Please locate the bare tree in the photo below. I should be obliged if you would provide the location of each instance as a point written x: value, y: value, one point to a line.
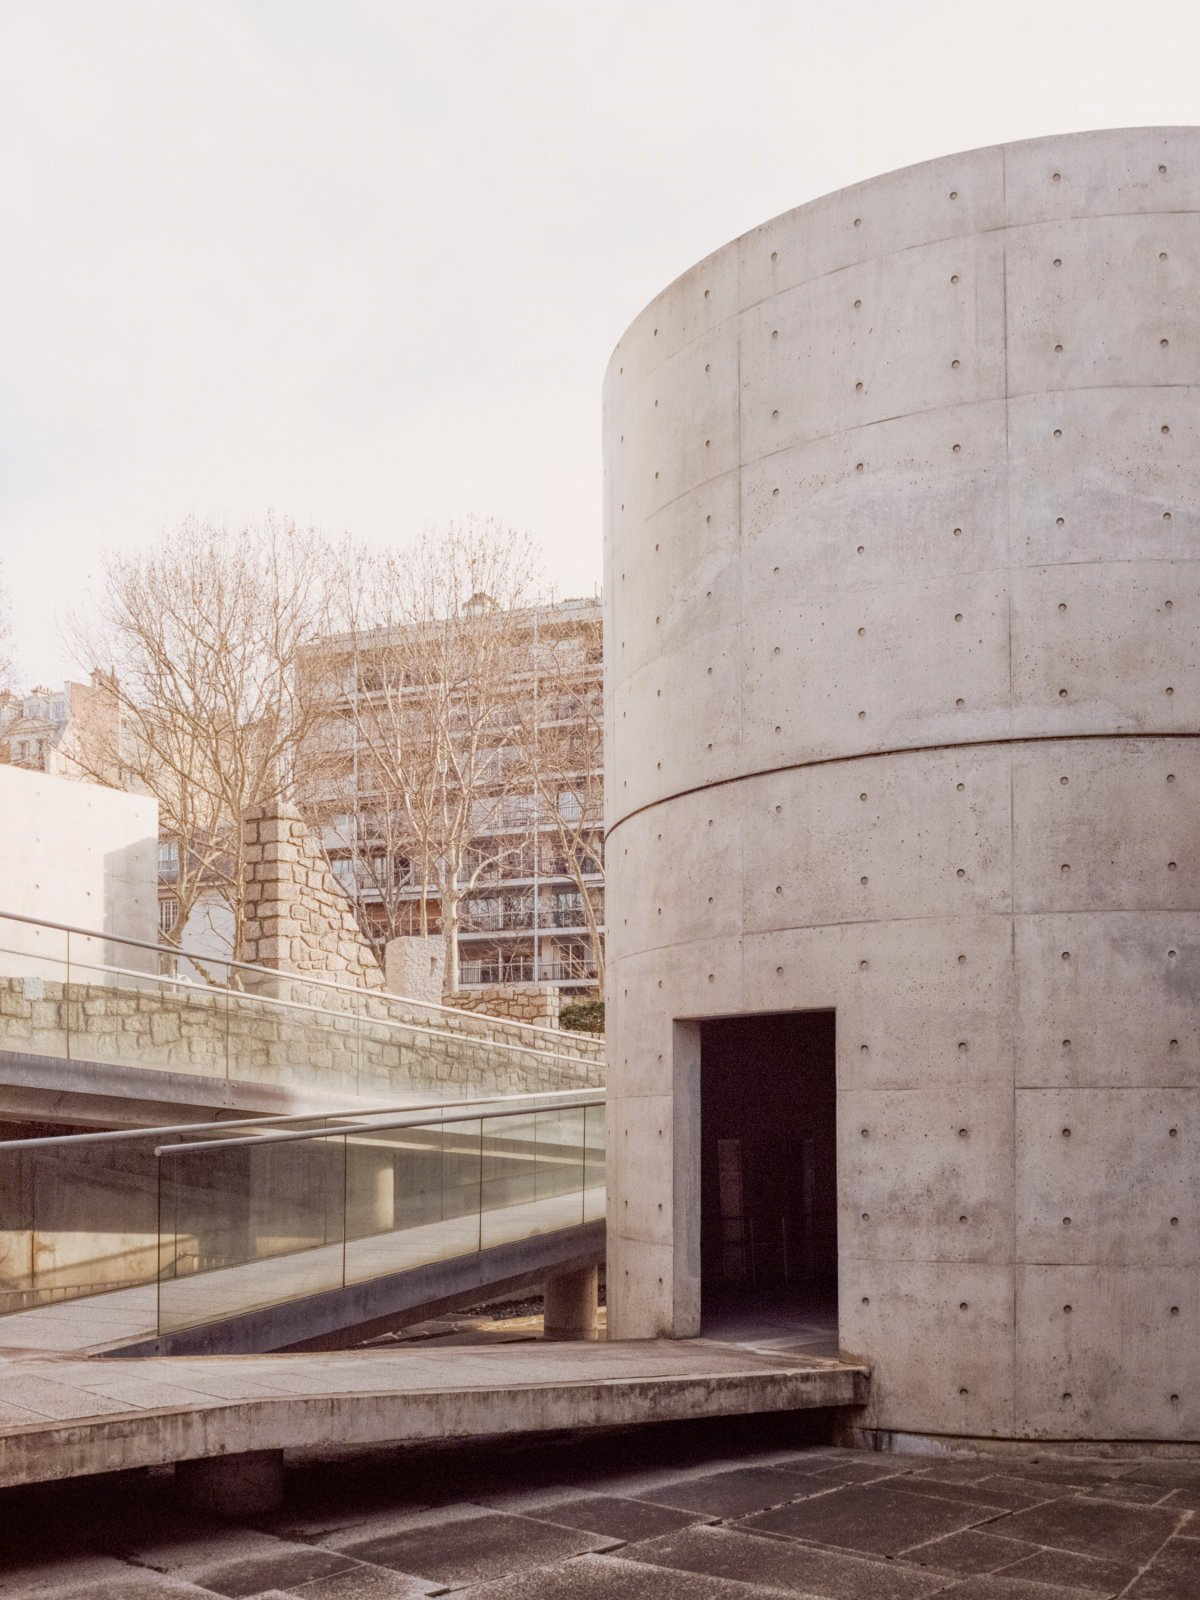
x: 204, y: 635
x: 433, y: 658
x: 559, y: 733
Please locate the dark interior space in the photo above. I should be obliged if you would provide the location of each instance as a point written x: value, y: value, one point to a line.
x: 769, y: 1170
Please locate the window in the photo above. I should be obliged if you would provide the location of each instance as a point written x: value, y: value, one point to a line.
x: 568, y: 910
x: 168, y: 860
x: 168, y: 913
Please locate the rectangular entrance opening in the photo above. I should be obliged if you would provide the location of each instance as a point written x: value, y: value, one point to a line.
x: 768, y: 1178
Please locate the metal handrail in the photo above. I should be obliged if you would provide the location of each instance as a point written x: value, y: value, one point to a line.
x: 316, y: 1011
x: 276, y: 973
x: 247, y: 966
x: 413, y: 1119
x: 271, y: 1121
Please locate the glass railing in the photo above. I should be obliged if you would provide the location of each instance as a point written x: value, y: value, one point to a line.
x: 254, y: 1221
x: 342, y: 1197
x: 79, y: 1213
x: 76, y: 995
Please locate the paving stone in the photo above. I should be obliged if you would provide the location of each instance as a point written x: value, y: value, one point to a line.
x: 283, y: 1570
x: 604, y: 1578
x: 874, y: 1519
x: 968, y: 1552
x: 388, y: 1522
x: 186, y: 1543
x: 1134, y: 1494
x: 867, y: 1471
x: 474, y: 1549
x: 362, y: 1582
x: 615, y: 1518
x: 1182, y: 1500
x: 1072, y: 1471
x: 1174, y: 1573
x: 1095, y: 1528
x: 85, y: 1577
x: 735, y: 1493
x: 782, y: 1564
x: 959, y: 1469
x: 993, y: 1495
x: 119, y: 1589
x: 1171, y: 1474
x: 1089, y: 1573
x: 1002, y: 1587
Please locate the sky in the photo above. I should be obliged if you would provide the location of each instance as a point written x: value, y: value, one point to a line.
x: 362, y: 264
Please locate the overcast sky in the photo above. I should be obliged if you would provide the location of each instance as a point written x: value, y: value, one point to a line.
x: 364, y: 263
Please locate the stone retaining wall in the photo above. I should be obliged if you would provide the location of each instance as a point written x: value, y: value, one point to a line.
x: 333, y: 1041
x: 534, y: 1003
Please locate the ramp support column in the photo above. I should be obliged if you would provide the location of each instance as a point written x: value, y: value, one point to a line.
x: 241, y: 1485
x: 571, y: 1304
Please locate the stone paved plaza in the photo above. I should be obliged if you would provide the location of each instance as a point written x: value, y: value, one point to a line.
x: 701, y: 1512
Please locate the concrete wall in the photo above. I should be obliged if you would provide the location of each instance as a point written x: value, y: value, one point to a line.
x: 76, y: 853
x: 902, y: 502
x: 207, y: 933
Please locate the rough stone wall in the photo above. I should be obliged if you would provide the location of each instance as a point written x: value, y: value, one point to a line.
x: 534, y: 1003
x: 298, y: 918
x: 336, y: 1042
x: 414, y: 967
x: 902, y: 534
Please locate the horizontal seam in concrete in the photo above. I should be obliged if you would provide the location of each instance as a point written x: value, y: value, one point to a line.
x: 1007, y: 226
x: 900, y: 750
x: 1002, y: 399
x: 1003, y: 913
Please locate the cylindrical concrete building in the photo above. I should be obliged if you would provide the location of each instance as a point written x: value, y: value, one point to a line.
x: 902, y: 515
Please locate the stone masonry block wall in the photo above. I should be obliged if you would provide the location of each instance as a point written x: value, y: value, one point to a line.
x: 414, y: 967
x: 298, y: 917
x: 334, y: 1042
x: 902, y: 506
x: 521, y: 1002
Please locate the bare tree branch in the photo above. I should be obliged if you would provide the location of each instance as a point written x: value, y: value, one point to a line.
x: 204, y: 637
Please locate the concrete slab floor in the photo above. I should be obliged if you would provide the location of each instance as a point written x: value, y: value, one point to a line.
x: 707, y: 1511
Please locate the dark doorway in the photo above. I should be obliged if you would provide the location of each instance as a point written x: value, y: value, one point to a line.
x: 768, y: 1166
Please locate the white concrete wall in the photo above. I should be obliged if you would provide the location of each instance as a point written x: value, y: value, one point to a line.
x: 902, y: 502
x: 208, y: 933
x: 80, y: 854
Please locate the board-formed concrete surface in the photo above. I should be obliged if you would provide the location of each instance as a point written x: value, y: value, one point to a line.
x: 902, y: 501
x: 642, y: 1517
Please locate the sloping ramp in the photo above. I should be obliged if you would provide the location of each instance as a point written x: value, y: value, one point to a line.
x: 65, y: 1417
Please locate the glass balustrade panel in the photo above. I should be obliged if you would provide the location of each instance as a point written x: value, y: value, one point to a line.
x: 412, y: 1197
x: 594, y: 1164
x: 532, y: 1175
x: 129, y: 1005
x: 248, y: 1226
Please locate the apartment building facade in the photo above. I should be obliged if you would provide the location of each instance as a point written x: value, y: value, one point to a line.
x: 71, y: 732
x: 529, y: 889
